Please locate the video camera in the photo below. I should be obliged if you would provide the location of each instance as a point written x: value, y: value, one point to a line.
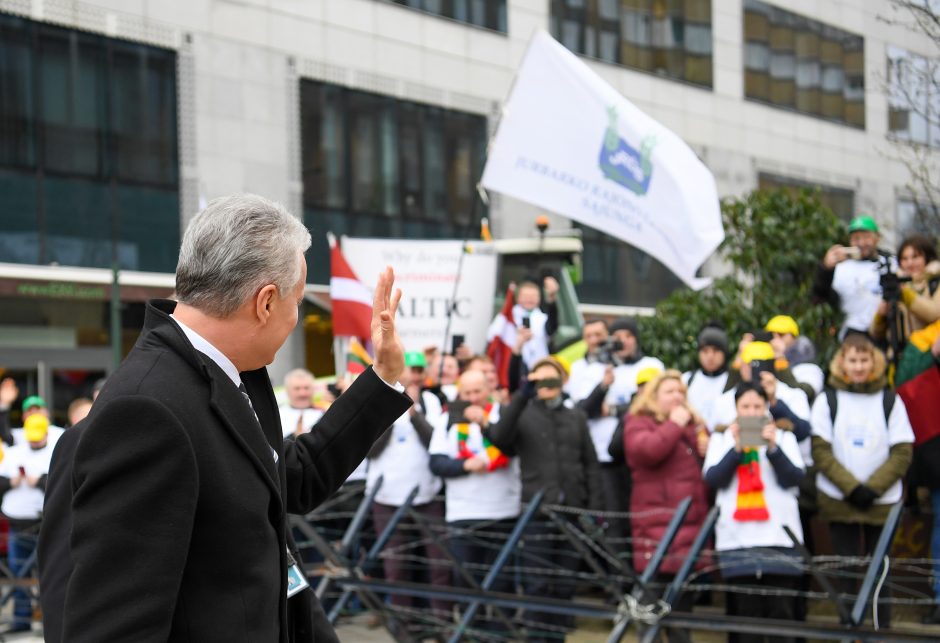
x: 890, y: 284
x: 607, y: 352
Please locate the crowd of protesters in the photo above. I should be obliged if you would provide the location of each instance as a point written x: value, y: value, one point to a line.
x: 760, y: 429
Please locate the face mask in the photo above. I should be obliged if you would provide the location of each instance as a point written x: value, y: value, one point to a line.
x: 553, y: 403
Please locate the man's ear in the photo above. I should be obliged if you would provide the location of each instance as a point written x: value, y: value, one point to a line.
x: 264, y: 301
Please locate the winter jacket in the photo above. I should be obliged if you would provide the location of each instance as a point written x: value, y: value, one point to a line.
x: 666, y: 468
x: 920, y: 305
x: 859, y: 437
x: 554, y: 448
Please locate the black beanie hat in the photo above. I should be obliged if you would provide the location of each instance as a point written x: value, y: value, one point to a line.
x: 715, y: 337
x: 626, y: 323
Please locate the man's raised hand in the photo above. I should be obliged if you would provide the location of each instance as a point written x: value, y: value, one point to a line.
x: 389, y: 353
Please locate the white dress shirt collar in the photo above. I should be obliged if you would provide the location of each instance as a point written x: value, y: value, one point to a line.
x: 202, y: 345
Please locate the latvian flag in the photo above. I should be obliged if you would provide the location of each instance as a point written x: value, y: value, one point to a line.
x: 502, y: 336
x: 352, y: 301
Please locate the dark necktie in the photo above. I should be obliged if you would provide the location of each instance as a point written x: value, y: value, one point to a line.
x: 244, y: 392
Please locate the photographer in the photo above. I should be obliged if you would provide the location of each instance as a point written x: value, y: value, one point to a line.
x: 913, y: 290
x: 849, y: 276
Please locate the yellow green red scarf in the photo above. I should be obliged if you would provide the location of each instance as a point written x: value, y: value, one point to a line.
x: 497, y: 458
x: 751, y: 505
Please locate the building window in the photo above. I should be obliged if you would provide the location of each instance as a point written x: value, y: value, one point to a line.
x: 913, y: 97
x: 615, y: 273
x: 489, y: 14
x: 374, y: 166
x: 88, y: 149
x: 801, y: 64
x: 671, y: 38
x: 915, y: 217
x: 839, y: 200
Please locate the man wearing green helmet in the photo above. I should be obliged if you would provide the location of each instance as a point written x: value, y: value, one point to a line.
x: 848, y: 276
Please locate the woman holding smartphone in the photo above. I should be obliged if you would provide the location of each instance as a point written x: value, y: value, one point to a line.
x: 755, y: 468
x: 664, y: 445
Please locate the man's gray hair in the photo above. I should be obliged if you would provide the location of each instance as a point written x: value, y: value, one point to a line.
x: 297, y: 374
x: 235, y: 246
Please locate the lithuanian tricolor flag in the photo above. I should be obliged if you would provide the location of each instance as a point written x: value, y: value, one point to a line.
x: 357, y: 358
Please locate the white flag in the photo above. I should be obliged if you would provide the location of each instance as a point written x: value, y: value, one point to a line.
x: 570, y: 143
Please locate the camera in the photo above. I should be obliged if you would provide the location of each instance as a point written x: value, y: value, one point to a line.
x: 607, y: 352
x: 891, y: 284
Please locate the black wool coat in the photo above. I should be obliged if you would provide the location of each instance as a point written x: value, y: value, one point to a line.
x: 166, y: 509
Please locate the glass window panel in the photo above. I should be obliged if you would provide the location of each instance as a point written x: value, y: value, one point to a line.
x: 641, y: 280
x: 814, y: 68
x: 143, y: 114
x: 19, y: 231
x: 17, y: 125
x: 77, y: 226
x: 490, y: 14
x: 149, y: 227
x: 435, y: 188
x: 670, y: 37
x: 73, y: 101
x: 410, y: 148
x: 92, y: 130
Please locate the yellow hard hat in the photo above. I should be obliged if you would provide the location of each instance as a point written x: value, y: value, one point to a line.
x: 783, y: 324
x: 646, y: 374
x: 36, y: 428
x: 757, y: 352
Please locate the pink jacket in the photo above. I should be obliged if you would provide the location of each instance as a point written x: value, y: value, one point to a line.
x: 665, y: 469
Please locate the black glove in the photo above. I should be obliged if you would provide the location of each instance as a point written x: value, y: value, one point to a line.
x: 862, y: 497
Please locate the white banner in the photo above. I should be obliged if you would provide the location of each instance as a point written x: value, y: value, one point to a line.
x: 426, y: 271
x: 570, y: 143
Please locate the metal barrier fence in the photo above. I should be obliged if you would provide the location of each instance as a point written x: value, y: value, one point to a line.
x: 607, y: 586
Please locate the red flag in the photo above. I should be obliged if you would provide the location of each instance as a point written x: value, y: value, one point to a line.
x: 352, y: 301
x: 502, y: 336
x: 921, y: 397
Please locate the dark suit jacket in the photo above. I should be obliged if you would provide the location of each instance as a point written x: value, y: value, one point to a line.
x: 178, y: 509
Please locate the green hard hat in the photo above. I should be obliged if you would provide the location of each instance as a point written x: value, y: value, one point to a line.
x: 33, y: 400
x: 863, y: 223
x: 415, y: 359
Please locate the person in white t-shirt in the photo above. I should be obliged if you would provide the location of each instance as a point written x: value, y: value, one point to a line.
x: 400, y: 458
x: 299, y: 414
x: 862, y: 447
x: 795, y: 351
x: 756, y: 484
x: 23, y: 473
x: 709, y: 381
x: 848, y: 277
x: 482, y: 487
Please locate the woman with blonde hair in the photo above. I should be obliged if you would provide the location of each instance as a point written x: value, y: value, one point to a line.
x: 665, y: 443
x: 862, y: 447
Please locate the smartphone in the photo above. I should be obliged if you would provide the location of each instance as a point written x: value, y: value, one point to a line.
x: 526, y: 322
x: 22, y: 472
x: 751, y: 427
x: 456, y: 411
x: 455, y: 343
x: 851, y: 252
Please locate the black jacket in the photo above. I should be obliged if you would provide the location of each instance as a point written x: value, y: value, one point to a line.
x: 178, y: 508
x: 554, y: 448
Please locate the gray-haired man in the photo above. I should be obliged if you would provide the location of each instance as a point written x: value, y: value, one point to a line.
x: 174, y: 491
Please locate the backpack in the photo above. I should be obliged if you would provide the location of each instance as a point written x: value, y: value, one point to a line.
x: 888, y: 398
